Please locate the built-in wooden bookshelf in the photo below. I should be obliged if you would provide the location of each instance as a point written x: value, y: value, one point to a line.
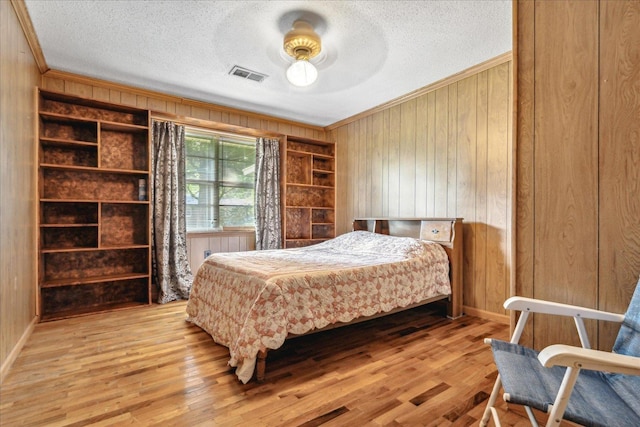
x: 309, y: 189
x: 94, y: 230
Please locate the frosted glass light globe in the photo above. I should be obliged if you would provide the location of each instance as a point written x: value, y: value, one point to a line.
x: 302, y: 73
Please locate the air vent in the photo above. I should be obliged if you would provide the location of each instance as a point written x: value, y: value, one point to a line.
x: 247, y: 74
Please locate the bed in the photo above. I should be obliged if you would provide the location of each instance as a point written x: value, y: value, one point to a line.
x: 251, y: 302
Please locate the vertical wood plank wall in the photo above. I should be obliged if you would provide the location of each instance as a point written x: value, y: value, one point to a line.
x: 578, y: 159
x: 106, y: 91
x: 18, y: 250
x: 197, y: 244
x: 446, y: 153
x: 101, y: 90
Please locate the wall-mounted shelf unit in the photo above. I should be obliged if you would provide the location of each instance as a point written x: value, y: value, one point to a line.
x: 94, y: 231
x: 309, y: 191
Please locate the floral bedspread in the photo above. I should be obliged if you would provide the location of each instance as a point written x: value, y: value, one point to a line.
x: 251, y: 301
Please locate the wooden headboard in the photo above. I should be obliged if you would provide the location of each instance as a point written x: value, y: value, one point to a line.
x: 445, y: 231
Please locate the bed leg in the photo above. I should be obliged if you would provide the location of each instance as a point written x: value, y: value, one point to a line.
x: 261, y: 365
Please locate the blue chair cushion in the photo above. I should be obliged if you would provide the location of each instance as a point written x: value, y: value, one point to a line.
x: 628, y: 342
x: 595, y: 400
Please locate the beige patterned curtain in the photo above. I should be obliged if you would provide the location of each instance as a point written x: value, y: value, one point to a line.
x: 171, y: 271
x: 267, y: 204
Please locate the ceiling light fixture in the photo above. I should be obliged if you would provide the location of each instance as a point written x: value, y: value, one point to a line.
x: 302, y: 43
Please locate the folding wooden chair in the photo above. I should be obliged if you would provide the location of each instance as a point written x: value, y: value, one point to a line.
x: 589, y: 387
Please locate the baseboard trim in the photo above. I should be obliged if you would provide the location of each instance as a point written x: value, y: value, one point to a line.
x: 500, y: 318
x: 6, y: 366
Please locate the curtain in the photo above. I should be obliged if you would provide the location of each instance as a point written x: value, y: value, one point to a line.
x: 171, y: 271
x: 267, y: 204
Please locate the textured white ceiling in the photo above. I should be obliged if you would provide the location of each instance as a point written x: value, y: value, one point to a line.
x: 373, y: 51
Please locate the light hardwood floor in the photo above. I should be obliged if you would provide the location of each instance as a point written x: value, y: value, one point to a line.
x: 148, y: 366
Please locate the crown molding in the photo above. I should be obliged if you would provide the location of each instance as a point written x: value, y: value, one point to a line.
x: 29, y: 32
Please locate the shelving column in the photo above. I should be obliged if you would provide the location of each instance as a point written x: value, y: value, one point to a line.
x: 309, y: 192
x: 94, y: 231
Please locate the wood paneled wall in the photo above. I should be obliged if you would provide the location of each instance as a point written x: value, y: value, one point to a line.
x: 444, y: 153
x: 578, y: 167
x: 227, y: 241
x: 18, y: 251
x: 86, y: 87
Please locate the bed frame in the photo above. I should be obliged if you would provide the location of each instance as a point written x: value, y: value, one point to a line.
x: 444, y: 231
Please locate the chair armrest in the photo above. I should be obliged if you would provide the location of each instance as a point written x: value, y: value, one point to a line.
x: 556, y: 308
x: 583, y: 358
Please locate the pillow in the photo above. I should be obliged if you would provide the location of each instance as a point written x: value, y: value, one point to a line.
x: 374, y: 243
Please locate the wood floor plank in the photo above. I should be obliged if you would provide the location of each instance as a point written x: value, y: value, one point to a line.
x: 150, y: 367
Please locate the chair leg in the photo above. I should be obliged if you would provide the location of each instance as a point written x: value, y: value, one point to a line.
x: 490, y: 404
x: 562, y: 399
x: 532, y: 418
x: 496, y: 420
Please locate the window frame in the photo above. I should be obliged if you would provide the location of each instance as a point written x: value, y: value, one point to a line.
x: 218, y: 181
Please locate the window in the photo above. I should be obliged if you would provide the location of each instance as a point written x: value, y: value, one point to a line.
x: 220, y: 180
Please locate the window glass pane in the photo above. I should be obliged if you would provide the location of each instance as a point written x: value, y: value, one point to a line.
x: 236, y: 207
x: 237, y: 172
x: 220, y: 180
x: 237, y: 216
x: 236, y: 196
x: 201, y: 193
x: 201, y: 203
x: 238, y: 151
x: 200, y: 168
x: 199, y: 217
x: 197, y: 145
x: 238, y: 162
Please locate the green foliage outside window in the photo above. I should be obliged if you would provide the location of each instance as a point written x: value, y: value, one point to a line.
x: 220, y: 180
